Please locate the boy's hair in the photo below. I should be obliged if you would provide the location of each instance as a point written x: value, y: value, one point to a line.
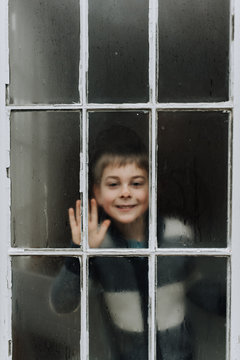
x: 117, y: 146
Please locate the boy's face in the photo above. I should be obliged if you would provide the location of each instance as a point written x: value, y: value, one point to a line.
x: 123, y: 192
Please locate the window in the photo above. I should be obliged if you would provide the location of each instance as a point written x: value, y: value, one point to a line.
x: 167, y: 72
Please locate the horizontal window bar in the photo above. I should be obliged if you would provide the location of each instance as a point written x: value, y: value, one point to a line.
x: 228, y: 105
x: 120, y: 252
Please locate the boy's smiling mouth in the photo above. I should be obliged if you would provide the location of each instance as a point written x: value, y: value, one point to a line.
x: 126, y: 207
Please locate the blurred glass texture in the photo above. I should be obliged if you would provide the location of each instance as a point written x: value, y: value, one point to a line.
x: 192, y: 179
x: 45, y: 169
x: 44, y: 41
x: 193, y: 50
x: 118, y: 51
x: 39, y: 330
x: 191, y: 307
x: 118, y: 298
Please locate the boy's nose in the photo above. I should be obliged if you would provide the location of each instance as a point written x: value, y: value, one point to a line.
x: 125, y: 192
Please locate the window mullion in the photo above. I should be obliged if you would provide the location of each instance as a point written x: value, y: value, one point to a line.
x: 84, y: 343
x: 152, y: 306
x: 153, y: 24
x: 235, y: 226
x: 153, y: 18
x: 84, y: 307
x: 5, y: 260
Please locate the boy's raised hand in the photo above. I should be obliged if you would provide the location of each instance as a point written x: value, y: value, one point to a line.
x: 75, y: 223
x: 96, y: 233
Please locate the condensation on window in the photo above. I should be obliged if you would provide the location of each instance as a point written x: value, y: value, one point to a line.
x: 45, y: 304
x: 45, y: 167
x: 118, y: 299
x: 193, y: 50
x: 44, y: 39
x: 191, y: 307
x: 118, y: 51
x: 192, y: 179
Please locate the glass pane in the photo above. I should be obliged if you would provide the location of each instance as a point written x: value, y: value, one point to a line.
x: 44, y: 51
x: 192, y: 179
x: 45, y: 176
x: 46, y: 316
x: 118, y: 187
x: 118, y: 51
x: 193, y: 50
x: 191, y: 308
x: 118, y: 308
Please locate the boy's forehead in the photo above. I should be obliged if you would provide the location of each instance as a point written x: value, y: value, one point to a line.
x: 129, y: 169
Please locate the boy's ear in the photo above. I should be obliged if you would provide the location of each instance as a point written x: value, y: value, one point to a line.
x: 97, y: 194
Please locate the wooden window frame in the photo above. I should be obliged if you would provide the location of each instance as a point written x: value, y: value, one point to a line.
x: 232, y: 252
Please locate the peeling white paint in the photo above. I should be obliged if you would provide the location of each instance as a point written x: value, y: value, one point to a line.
x: 5, y: 271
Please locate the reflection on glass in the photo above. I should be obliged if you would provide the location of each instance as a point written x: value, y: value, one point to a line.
x: 118, y: 308
x: 192, y: 179
x: 193, y: 50
x: 44, y: 51
x: 118, y: 51
x: 45, y: 177
x: 118, y: 180
x: 191, y: 308
x: 42, y: 327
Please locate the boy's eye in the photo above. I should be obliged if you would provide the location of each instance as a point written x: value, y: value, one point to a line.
x: 137, y: 183
x: 112, y: 184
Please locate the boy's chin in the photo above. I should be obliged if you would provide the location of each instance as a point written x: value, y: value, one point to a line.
x: 127, y: 220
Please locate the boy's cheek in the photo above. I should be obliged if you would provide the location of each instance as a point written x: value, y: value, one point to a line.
x: 98, y: 195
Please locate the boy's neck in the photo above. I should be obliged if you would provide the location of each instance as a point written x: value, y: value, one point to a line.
x: 134, y: 230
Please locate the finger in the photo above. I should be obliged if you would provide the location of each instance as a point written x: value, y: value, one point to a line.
x: 103, y: 229
x: 72, y: 219
x: 94, y: 213
x: 78, y: 211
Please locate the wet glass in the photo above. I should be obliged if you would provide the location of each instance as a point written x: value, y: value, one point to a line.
x: 118, y: 51
x: 191, y: 307
x: 193, y: 50
x: 44, y: 51
x: 45, y: 304
x: 118, y: 161
x: 118, y: 308
x: 44, y: 177
x: 192, y: 179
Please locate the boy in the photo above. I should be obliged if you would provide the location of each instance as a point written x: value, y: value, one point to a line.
x: 120, y: 187
x: 118, y: 217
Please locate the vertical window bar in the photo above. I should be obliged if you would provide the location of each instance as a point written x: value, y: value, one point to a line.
x: 5, y: 185
x: 83, y: 68
x: 228, y: 312
x: 152, y: 33
x: 229, y: 190
x: 153, y: 18
x: 5, y: 260
x: 84, y: 186
x: 153, y: 177
x: 84, y: 307
x: 231, y: 49
x: 84, y: 207
x: 235, y: 231
x: 152, y: 305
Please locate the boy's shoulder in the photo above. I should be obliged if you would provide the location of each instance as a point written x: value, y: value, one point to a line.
x: 172, y: 232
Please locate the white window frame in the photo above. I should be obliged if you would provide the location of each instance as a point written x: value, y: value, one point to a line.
x: 233, y: 249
